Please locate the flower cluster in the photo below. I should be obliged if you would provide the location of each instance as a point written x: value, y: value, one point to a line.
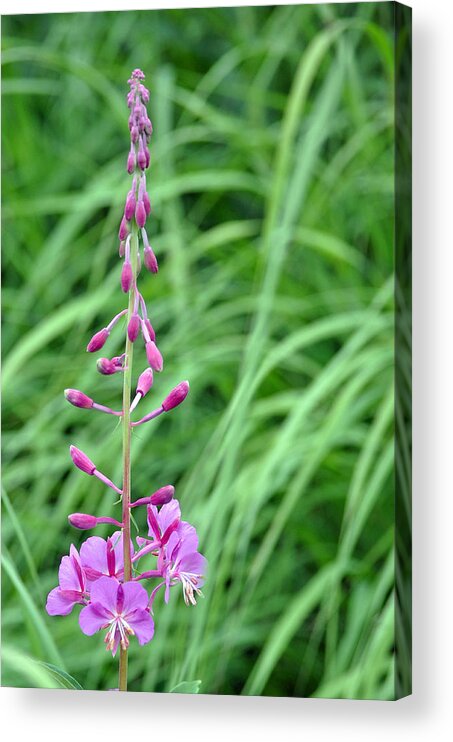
x: 107, y: 576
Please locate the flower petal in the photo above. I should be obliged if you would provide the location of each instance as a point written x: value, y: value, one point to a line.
x: 168, y: 513
x: 58, y: 604
x: 93, y: 554
x: 104, y: 591
x: 67, y: 574
x: 92, y: 618
x: 134, y: 597
x: 142, y: 624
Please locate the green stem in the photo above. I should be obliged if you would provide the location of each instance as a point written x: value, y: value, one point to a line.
x: 127, y: 380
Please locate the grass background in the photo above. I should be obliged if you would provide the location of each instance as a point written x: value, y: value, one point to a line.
x: 271, y: 182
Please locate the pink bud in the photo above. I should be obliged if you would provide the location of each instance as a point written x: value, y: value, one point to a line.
x: 147, y: 203
x: 150, y: 329
x: 81, y: 460
x: 97, y: 341
x: 162, y: 495
x: 107, y: 367
x: 176, y: 396
x: 134, y: 134
x: 150, y: 259
x: 154, y: 356
x: 82, y: 521
x: 141, y: 159
x: 140, y: 214
x: 133, y: 328
x: 145, y: 382
x: 131, y: 162
x: 78, y: 399
x: 129, y: 208
x: 123, y: 230
x: 126, y: 277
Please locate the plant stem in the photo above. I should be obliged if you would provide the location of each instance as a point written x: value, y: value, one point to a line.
x: 127, y: 378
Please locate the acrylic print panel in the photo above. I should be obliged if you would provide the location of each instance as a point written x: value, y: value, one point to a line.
x: 246, y: 531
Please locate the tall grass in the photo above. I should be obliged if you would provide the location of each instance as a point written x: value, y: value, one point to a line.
x: 272, y: 191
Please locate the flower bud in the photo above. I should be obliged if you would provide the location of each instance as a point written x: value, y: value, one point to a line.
x: 162, y: 495
x: 129, y: 208
x: 145, y: 382
x: 141, y: 159
x: 176, y: 396
x: 131, y: 161
x: 140, y: 214
x: 97, y: 341
x: 147, y: 155
x: 106, y: 367
x: 150, y: 260
x: 78, y: 399
x: 146, y: 203
x: 126, y: 277
x: 134, y: 134
x: 123, y: 230
x: 82, y: 521
x: 154, y: 356
x: 133, y: 328
x: 150, y: 329
x: 81, y: 460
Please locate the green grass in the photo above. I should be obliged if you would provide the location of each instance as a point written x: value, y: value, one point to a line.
x: 272, y: 190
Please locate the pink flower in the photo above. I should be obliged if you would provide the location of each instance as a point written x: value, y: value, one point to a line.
x: 72, y: 586
x: 100, y: 557
x: 120, y: 608
x: 183, y: 563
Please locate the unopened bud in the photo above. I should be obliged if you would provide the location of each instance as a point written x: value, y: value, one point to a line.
x: 140, y: 214
x: 147, y: 203
x: 141, y: 159
x: 150, y: 259
x: 107, y: 367
x: 126, y: 277
x: 81, y: 460
x: 162, y: 495
x: 123, y: 230
x: 131, y: 162
x: 97, y: 341
x: 150, y: 329
x: 176, y: 396
x: 154, y: 356
x: 78, y: 399
x: 133, y: 328
x: 82, y: 521
x: 145, y: 382
x: 129, y: 208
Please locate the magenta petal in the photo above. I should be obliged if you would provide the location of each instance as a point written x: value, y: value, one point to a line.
x: 134, y: 597
x: 168, y: 513
x: 93, y: 554
x: 92, y: 618
x: 104, y: 591
x: 194, y: 564
x: 67, y: 575
x: 142, y: 624
x: 58, y: 604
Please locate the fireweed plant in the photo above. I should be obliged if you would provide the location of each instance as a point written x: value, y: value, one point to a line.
x: 108, y: 577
